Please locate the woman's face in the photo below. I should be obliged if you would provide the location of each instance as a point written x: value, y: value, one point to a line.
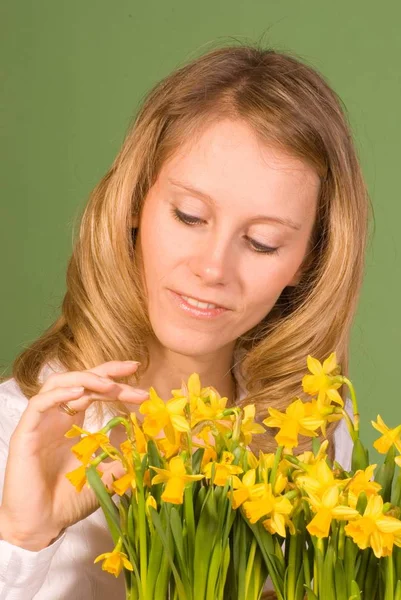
x: 226, y: 224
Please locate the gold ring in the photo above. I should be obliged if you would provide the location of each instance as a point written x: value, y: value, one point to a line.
x: 67, y: 409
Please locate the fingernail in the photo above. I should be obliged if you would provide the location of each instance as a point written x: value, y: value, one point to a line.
x: 142, y: 393
x: 132, y: 362
x: 105, y: 380
x: 77, y: 390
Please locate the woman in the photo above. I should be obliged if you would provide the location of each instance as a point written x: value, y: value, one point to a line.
x: 227, y: 239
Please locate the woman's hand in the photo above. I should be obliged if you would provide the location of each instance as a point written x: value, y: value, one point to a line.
x: 38, y: 500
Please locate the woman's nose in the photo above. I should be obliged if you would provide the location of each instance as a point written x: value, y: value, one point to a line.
x: 212, y: 262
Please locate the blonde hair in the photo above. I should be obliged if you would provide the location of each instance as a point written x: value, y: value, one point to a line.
x: 287, y: 104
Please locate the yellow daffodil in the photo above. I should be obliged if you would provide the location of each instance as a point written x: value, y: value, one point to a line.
x: 209, y: 455
x: 121, y: 485
x: 222, y: 470
x: 248, y: 425
x: 398, y: 460
x: 140, y: 439
x: 389, y: 437
x: 113, y: 562
x: 78, y: 477
x: 375, y: 529
x: 321, y: 381
x: 327, y: 508
x: 245, y: 489
x: 319, y: 479
x: 209, y: 408
x: 167, y: 448
x: 276, y: 508
x: 292, y: 423
x: 160, y: 416
x: 88, y: 445
x: 175, y: 477
x: 362, y: 482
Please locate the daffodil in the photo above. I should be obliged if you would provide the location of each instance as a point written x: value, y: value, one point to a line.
x: 248, y: 425
x: 222, y: 470
x: 328, y: 507
x: 322, y: 381
x: 276, y: 508
x: 113, y: 562
x: 160, y: 416
x: 78, y: 477
x: 170, y: 448
x: 319, y: 478
x: 362, y: 481
x: 140, y: 439
x: 245, y: 489
x: 175, y: 478
x: 389, y: 437
x: 375, y: 529
x: 88, y: 445
x: 294, y: 422
x: 398, y: 460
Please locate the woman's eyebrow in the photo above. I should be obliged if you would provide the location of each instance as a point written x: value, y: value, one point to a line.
x: 201, y: 194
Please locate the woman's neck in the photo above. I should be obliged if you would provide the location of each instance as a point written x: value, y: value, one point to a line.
x: 168, y: 369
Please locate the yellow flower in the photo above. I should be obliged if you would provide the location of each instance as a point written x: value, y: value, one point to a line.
x: 140, y: 439
x: 319, y: 479
x: 327, y: 508
x: 322, y: 381
x: 389, y: 437
x: 362, y: 482
x: 222, y: 470
x: 276, y: 508
x: 168, y: 448
x: 248, y: 425
x: 375, y: 530
x: 88, y: 445
x: 150, y: 501
x: 167, y: 416
x: 208, y: 408
x: 398, y: 460
x: 292, y: 423
x: 114, y: 562
x: 121, y: 485
x: 78, y: 477
x: 245, y: 489
x: 175, y: 477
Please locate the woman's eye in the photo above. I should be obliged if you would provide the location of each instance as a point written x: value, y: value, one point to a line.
x: 261, y: 248
x: 184, y: 218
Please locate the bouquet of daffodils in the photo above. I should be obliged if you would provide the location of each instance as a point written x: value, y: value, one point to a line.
x: 198, y: 516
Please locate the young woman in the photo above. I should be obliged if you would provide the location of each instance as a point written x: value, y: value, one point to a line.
x: 227, y: 239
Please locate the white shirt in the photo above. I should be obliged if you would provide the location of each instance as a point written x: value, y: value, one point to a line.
x: 65, y: 570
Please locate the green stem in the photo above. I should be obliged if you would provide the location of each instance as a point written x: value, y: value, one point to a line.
x: 354, y: 404
x: 116, y: 421
x: 341, y: 541
x: 292, y: 560
x: 273, y: 474
x: 389, y: 578
x: 250, y: 565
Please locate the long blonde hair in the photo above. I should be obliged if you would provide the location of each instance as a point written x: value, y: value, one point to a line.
x: 287, y: 104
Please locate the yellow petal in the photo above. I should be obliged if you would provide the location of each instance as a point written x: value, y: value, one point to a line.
x: 314, y: 365
x: 174, y: 491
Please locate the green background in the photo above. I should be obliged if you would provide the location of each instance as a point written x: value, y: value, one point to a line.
x: 74, y: 73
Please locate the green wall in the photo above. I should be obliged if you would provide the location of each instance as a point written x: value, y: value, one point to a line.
x: 74, y: 74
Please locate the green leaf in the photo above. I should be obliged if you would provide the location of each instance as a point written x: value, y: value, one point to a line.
x: 360, y: 458
x: 310, y: 594
x: 397, y: 595
x: 168, y: 552
x: 340, y: 582
x: 355, y: 591
x: 385, y: 475
x: 110, y: 510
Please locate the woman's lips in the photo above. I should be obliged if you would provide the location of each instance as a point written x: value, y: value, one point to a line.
x: 196, y: 311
